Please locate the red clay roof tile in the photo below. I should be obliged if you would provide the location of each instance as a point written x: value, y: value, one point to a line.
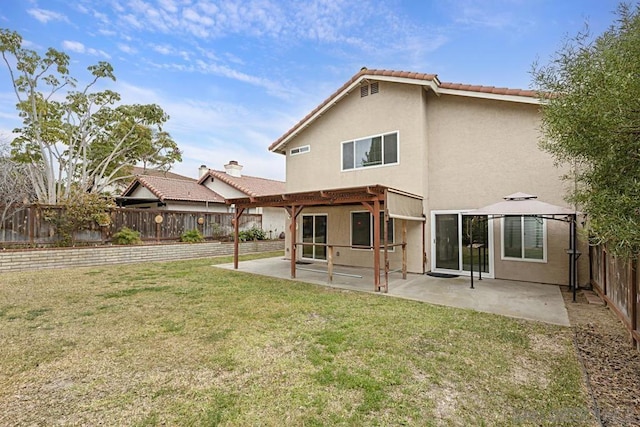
x: 175, y: 189
x: 250, y: 185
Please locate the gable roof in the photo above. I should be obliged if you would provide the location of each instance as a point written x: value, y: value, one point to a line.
x: 137, y: 170
x: 428, y: 81
x: 174, y: 189
x: 250, y: 185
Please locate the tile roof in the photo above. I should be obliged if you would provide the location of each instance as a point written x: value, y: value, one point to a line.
x: 406, y: 76
x: 137, y: 170
x: 175, y: 189
x: 489, y: 89
x: 249, y: 185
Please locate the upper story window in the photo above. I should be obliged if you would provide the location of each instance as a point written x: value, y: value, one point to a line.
x: 524, y: 238
x: 375, y: 150
x: 300, y: 150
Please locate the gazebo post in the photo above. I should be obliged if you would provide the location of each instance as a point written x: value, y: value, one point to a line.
x: 471, y: 252
x: 386, y: 251
x: 376, y: 245
x: 574, y: 254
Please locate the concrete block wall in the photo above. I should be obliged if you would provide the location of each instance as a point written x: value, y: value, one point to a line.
x: 39, y: 259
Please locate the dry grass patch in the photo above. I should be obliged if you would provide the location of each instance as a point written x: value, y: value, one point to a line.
x: 185, y: 343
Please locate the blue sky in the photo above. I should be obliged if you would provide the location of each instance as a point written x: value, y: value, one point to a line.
x: 234, y: 75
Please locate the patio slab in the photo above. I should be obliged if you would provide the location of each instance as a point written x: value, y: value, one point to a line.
x: 524, y: 300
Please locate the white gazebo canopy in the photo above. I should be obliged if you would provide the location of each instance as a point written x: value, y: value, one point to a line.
x: 522, y: 204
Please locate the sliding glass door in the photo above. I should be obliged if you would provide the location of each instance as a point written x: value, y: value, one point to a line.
x: 451, y: 249
x: 314, y: 230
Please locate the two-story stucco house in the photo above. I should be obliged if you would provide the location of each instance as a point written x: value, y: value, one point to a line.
x: 451, y: 147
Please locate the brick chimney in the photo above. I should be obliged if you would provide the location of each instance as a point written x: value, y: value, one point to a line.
x: 202, y: 171
x: 233, y: 169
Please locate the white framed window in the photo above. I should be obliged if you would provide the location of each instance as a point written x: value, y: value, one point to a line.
x: 524, y: 238
x: 300, y: 150
x: 376, y: 150
x: 362, y: 229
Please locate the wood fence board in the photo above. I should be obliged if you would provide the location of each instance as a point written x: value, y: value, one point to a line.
x: 29, y: 226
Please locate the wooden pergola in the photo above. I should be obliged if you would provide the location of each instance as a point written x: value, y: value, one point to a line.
x: 375, y: 198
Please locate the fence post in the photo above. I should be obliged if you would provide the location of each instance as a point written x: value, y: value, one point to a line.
x: 31, y: 224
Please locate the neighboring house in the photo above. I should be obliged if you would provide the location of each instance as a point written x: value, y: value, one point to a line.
x: 451, y: 147
x: 158, y: 192
x: 231, y: 183
x: 118, y: 187
x: 164, y: 190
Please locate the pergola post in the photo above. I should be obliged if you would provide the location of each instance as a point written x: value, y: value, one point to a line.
x: 330, y: 262
x: 236, y: 232
x: 292, y: 244
x: 376, y: 244
x: 404, y: 249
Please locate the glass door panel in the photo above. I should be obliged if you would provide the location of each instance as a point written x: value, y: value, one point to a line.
x: 320, y: 235
x: 447, y: 254
x: 479, y: 229
x: 307, y: 236
x: 314, y: 230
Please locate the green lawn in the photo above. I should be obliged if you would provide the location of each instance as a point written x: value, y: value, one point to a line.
x: 185, y: 343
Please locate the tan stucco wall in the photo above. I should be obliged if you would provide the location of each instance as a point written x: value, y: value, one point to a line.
x: 482, y: 150
x: 457, y: 152
x: 395, y: 108
x: 339, y: 233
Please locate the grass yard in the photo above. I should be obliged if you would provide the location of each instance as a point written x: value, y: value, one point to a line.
x: 185, y: 343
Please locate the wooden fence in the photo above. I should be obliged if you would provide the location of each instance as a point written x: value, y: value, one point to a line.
x: 28, y: 227
x: 616, y: 280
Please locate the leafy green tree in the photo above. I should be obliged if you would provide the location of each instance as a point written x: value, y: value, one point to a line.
x: 591, y: 121
x: 78, y: 139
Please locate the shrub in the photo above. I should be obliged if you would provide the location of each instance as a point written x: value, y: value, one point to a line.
x: 76, y: 212
x: 253, y: 233
x: 192, y: 236
x: 127, y: 236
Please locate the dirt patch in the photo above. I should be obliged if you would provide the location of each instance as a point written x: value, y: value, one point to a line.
x: 611, y: 363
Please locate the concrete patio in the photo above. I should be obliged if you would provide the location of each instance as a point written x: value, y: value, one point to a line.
x: 524, y: 300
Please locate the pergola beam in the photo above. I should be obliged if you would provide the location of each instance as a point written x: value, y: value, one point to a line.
x: 372, y: 197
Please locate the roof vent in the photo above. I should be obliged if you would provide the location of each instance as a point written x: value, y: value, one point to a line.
x: 374, y: 88
x: 364, y: 91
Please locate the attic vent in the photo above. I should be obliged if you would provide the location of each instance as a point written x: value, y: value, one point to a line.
x: 364, y: 91
x: 300, y: 150
x: 374, y: 88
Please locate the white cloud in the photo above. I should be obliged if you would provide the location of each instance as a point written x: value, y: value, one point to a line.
x: 45, y: 16
x: 78, y: 47
x: 73, y: 46
x: 127, y: 48
x: 213, y: 132
x: 493, y: 14
x: 164, y: 49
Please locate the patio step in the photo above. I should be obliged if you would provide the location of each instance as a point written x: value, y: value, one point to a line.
x: 592, y: 298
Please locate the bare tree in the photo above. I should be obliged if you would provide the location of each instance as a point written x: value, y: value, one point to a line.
x: 16, y: 191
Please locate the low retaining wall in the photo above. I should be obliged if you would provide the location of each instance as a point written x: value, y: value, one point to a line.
x: 38, y: 259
